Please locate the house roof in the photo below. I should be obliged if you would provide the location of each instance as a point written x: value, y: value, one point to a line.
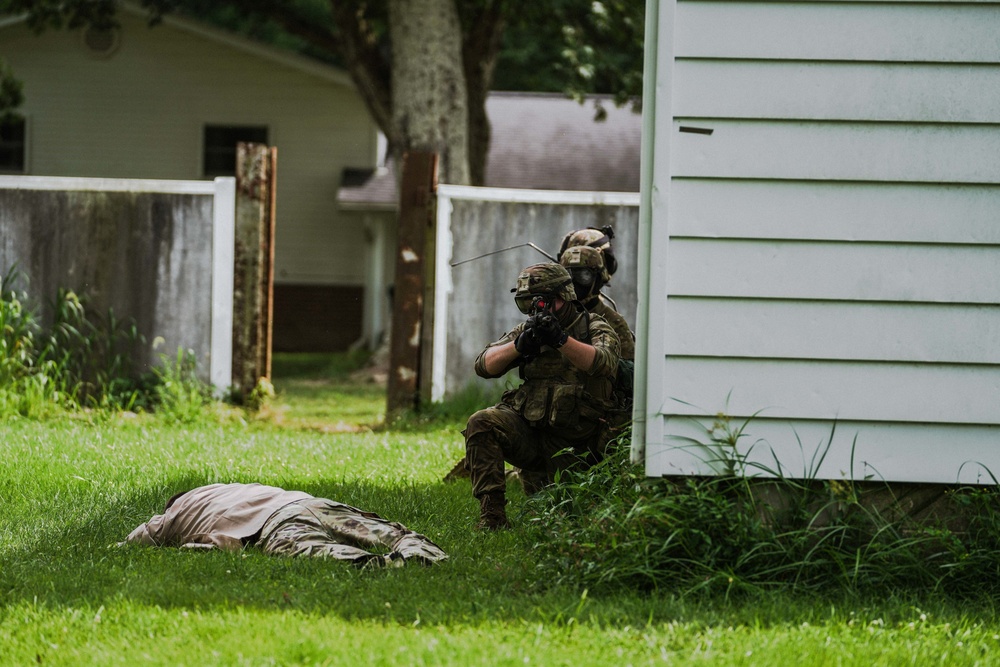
x: 541, y: 141
x: 308, y: 65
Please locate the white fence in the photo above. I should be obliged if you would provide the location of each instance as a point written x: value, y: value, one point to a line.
x: 159, y: 252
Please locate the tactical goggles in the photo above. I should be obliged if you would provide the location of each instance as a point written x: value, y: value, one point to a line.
x: 531, y: 303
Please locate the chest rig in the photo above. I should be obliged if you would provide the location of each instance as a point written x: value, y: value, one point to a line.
x: 556, y: 396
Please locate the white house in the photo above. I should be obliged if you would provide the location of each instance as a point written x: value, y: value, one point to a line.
x: 820, y: 238
x: 170, y: 103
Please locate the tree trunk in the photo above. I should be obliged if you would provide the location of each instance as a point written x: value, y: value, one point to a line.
x: 479, y: 55
x: 429, y: 99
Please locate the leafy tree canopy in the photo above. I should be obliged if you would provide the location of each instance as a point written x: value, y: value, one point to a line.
x: 575, y: 46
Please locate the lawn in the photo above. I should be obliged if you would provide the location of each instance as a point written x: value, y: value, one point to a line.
x: 70, y: 489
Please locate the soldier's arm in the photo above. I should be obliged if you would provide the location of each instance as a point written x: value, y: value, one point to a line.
x: 602, y: 353
x: 499, y: 357
x: 579, y: 354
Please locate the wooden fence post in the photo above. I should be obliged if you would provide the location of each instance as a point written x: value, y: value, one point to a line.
x: 253, y: 282
x: 416, y: 199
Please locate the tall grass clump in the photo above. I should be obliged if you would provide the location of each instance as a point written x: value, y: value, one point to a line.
x: 176, y: 393
x: 612, y: 527
x: 80, y: 359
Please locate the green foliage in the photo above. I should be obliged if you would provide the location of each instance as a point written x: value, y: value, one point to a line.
x: 11, y: 92
x: 603, y: 51
x: 610, y: 527
x: 577, y: 48
x: 33, y: 377
x: 83, y: 361
x: 180, y: 397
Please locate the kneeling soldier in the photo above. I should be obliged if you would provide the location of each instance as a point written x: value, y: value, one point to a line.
x: 555, y: 419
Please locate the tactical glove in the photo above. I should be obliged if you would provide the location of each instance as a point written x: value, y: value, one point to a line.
x: 527, y: 343
x: 550, y: 332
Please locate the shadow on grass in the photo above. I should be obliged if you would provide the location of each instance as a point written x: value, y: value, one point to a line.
x: 488, y: 576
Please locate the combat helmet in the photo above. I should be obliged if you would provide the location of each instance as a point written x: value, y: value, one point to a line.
x: 586, y: 266
x: 592, y: 237
x: 545, y: 280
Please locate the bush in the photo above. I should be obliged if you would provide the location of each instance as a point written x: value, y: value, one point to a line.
x: 611, y: 526
x: 82, y: 360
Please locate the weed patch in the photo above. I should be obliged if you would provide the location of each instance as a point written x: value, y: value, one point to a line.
x: 83, y: 360
x: 611, y: 527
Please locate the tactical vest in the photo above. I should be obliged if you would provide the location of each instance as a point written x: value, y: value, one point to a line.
x: 559, y: 398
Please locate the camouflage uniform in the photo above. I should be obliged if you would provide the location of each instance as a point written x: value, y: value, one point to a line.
x: 557, y: 407
x: 289, y: 523
x: 576, y: 255
x: 605, y: 307
x: 328, y: 529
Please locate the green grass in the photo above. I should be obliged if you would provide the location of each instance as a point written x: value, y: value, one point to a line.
x: 70, y: 489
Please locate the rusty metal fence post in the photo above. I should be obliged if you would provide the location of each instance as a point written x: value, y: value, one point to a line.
x: 416, y: 216
x: 253, y: 282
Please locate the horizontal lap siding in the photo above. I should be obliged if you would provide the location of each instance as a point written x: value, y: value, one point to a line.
x: 847, y: 449
x: 809, y: 389
x: 838, y: 91
x: 853, y: 31
x: 838, y: 271
x: 847, y: 211
x: 768, y: 329
x: 850, y: 151
x: 833, y: 241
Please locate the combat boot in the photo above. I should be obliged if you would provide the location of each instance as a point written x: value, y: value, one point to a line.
x: 492, y: 515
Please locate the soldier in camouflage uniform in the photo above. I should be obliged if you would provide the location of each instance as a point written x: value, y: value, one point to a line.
x: 289, y: 523
x: 586, y: 265
x: 568, y: 359
x: 590, y: 259
x: 328, y: 529
x: 588, y: 255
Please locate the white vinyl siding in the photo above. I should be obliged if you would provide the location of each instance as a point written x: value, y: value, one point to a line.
x: 825, y: 237
x: 847, y: 211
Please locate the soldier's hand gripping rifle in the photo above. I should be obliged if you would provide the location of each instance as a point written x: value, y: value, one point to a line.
x: 545, y: 323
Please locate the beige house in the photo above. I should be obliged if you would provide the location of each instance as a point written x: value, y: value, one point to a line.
x: 170, y: 103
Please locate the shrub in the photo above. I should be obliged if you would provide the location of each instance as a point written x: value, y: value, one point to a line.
x: 82, y: 360
x: 611, y: 526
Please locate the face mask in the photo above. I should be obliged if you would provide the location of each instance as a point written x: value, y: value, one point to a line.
x: 583, y: 276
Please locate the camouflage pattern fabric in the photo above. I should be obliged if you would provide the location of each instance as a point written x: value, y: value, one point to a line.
x: 499, y: 434
x: 626, y: 338
x: 553, y: 421
x: 326, y: 529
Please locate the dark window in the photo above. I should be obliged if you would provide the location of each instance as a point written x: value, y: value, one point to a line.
x: 12, y: 144
x: 220, y: 147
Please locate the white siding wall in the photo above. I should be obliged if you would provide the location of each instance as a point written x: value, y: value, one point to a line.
x: 141, y: 113
x: 829, y: 252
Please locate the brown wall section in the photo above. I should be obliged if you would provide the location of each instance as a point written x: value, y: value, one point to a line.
x: 316, y: 318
